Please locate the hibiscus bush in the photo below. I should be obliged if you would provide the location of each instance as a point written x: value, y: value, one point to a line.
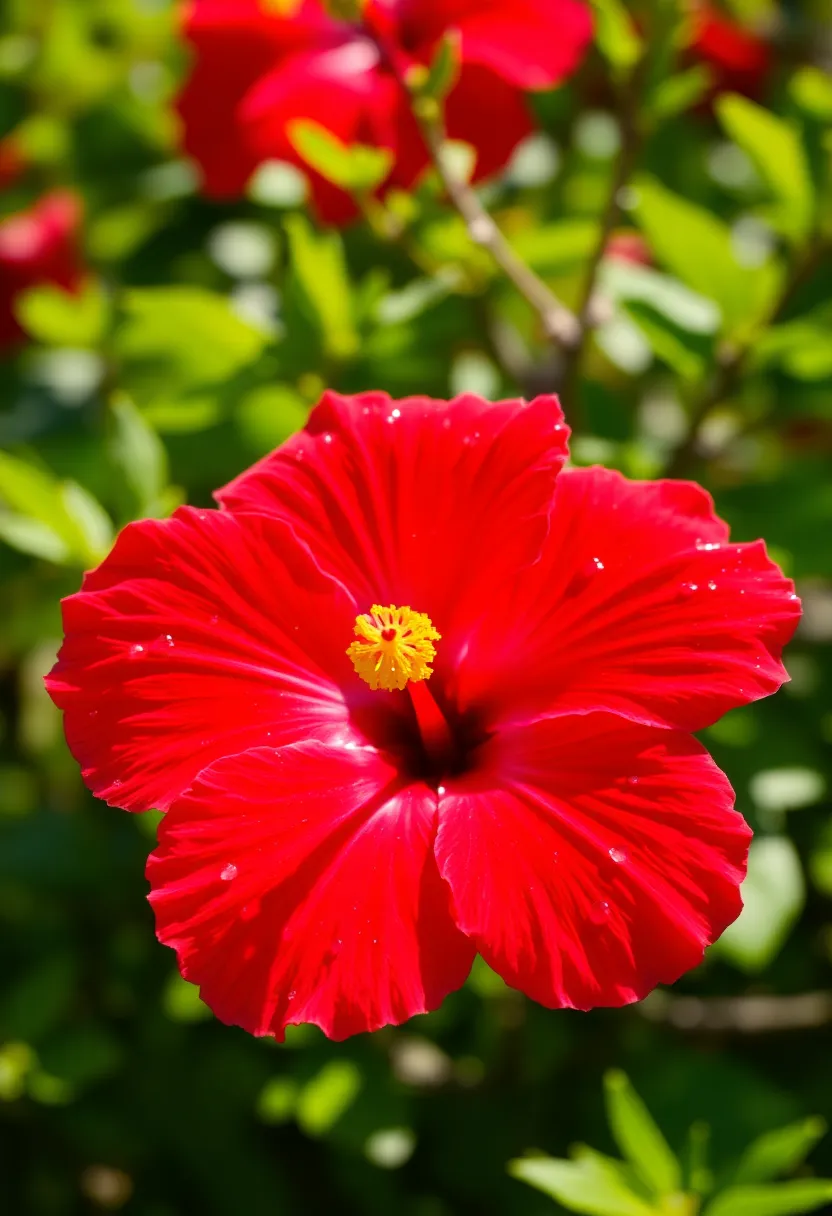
x: 492, y: 317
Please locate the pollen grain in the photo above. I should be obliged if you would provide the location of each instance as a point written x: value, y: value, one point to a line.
x: 393, y: 645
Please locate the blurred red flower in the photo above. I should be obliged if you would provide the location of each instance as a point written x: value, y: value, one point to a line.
x: 627, y: 245
x: 12, y: 161
x: 346, y: 827
x: 256, y: 70
x: 39, y: 245
x: 739, y: 60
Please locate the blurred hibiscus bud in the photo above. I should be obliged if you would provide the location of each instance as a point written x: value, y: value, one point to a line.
x: 627, y: 245
x: 739, y: 60
x: 259, y: 67
x: 12, y: 161
x: 39, y: 245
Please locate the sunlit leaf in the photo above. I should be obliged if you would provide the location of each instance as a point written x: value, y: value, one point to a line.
x: 778, y: 1199
x: 321, y: 273
x: 773, y: 896
x: 328, y: 1096
x: 616, y: 33
x: 776, y: 150
x: 586, y: 1185
x: 61, y: 318
x: 638, y: 1136
x: 353, y: 167
x: 780, y: 1151
x: 697, y: 247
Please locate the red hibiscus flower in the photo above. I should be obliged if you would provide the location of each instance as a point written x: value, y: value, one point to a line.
x: 414, y: 693
x: 628, y: 245
x: 255, y: 71
x: 738, y: 59
x: 38, y: 246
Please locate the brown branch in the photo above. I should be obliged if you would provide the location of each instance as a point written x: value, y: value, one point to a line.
x: 740, y: 1014
x: 631, y: 140
x: 559, y: 323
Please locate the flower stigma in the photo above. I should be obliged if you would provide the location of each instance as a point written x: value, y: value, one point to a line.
x: 393, y: 646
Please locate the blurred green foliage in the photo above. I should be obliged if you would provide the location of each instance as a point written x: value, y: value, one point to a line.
x: 200, y: 340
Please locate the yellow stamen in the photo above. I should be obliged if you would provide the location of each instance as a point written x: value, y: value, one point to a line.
x: 394, y: 645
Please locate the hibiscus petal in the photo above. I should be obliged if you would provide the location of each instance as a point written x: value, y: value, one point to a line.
x: 199, y: 637
x: 340, y: 87
x: 639, y: 605
x: 235, y: 42
x: 490, y: 114
x: 299, y: 885
x: 591, y: 858
x: 416, y: 502
x: 530, y: 43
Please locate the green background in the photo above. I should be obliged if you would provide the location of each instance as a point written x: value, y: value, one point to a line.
x: 203, y: 336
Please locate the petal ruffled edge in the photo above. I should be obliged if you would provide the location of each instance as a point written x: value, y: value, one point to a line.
x: 591, y: 859
x: 299, y: 885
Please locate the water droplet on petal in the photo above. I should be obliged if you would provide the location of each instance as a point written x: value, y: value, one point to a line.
x: 440, y: 789
x: 290, y: 996
x: 136, y: 651
x: 327, y: 438
x: 689, y: 588
x: 228, y: 873
x: 632, y: 780
x: 599, y: 912
x: 618, y: 856
x: 712, y: 585
x: 707, y: 546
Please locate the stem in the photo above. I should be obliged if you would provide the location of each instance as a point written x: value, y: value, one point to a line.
x: 732, y: 364
x: 625, y: 161
x: 559, y: 323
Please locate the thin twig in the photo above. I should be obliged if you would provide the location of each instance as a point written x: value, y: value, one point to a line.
x: 631, y: 139
x: 732, y: 364
x: 559, y: 323
x: 757, y: 1014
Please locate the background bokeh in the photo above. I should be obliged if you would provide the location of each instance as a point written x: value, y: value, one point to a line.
x: 196, y: 338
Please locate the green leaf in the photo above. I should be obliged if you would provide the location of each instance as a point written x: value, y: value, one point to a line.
x: 616, y: 34
x: 34, y: 538
x: 353, y: 167
x: 180, y: 347
x: 780, y: 1151
x: 625, y: 281
x: 90, y: 520
x: 800, y: 347
x: 558, y: 248
x: 188, y: 334
x: 678, y: 93
x: 589, y: 1185
x: 697, y: 247
x: 321, y: 274
x: 779, y: 1199
x: 444, y: 69
x: 139, y: 454
x: 811, y: 89
x: 776, y: 150
x: 639, y: 1138
x: 58, y: 520
x: 61, y: 318
x: 181, y: 1001
x: 687, y: 354
x: 325, y: 1098
x: 278, y: 1100
x: 773, y: 896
